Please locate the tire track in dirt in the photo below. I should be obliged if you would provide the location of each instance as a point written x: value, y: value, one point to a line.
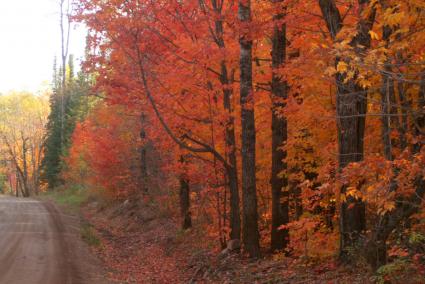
x: 38, y: 246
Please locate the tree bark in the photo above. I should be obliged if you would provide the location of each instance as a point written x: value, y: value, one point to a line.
x: 184, y: 195
x: 351, y: 113
x: 17, y: 184
x: 387, y: 103
x: 279, y: 180
x: 143, y: 160
x: 249, y: 190
x: 231, y: 170
x: 25, y: 168
x: 230, y: 137
x: 376, y: 247
x: 404, y: 107
x: 65, y: 36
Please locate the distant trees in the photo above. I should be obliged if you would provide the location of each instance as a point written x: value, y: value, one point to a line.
x: 23, y: 117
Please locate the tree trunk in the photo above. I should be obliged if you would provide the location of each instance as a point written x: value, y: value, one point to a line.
x: 420, y: 119
x: 249, y: 191
x: 17, y: 184
x: 376, y: 247
x: 226, y: 81
x: 143, y: 160
x: 387, y: 104
x: 232, y: 171
x: 279, y: 180
x: 351, y: 113
x: 404, y: 107
x: 34, y: 181
x: 230, y: 144
x: 184, y: 195
x: 25, y: 168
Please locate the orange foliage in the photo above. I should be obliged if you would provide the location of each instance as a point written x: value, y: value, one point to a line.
x: 104, y: 151
x: 160, y: 58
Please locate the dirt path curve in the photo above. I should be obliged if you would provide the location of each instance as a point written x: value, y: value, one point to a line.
x: 39, y: 245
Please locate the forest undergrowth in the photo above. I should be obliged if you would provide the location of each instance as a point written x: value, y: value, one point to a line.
x: 139, y: 242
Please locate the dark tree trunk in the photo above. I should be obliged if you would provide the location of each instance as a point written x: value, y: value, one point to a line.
x: 420, y: 119
x: 376, y: 247
x: 24, y: 174
x: 251, y: 238
x: 351, y: 113
x: 404, y: 107
x: 143, y: 160
x: 17, y: 184
x: 279, y: 180
x: 235, y: 219
x: 419, y: 122
x: 230, y: 144
x: 390, y: 120
x: 226, y: 81
x: 185, y: 203
x: 184, y: 195
x: 232, y: 170
x: 387, y: 104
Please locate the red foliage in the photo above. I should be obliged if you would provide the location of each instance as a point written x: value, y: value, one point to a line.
x: 104, y: 151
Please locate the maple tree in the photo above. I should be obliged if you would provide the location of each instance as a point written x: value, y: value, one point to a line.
x: 310, y: 112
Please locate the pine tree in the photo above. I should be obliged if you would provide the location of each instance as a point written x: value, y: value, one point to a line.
x: 61, y: 125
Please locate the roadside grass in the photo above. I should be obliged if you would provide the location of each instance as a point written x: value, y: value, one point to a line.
x: 89, y: 235
x: 71, y: 199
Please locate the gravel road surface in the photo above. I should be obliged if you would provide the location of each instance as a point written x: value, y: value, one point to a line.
x: 40, y: 245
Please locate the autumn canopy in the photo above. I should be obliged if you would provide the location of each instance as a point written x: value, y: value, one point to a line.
x: 294, y: 126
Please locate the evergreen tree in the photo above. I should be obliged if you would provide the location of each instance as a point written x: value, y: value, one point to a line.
x: 62, y: 120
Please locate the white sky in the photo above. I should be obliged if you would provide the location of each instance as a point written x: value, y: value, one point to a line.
x: 29, y: 40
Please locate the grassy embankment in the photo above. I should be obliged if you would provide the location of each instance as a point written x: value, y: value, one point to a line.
x: 71, y: 200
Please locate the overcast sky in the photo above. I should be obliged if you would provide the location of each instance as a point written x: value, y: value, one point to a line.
x: 29, y: 40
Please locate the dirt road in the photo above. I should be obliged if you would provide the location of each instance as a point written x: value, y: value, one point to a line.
x: 39, y: 245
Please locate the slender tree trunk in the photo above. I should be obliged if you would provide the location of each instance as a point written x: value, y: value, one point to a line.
x: 17, y: 184
x: 419, y: 128
x: 25, y: 168
x: 40, y: 149
x: 279, y: 180
x: 65, y: 28
x: 376, y: 247
x: 351, y: 113
x: 143, y: 160
x: 185, y: 198
x: 230, y: 138
x: 249, y: 190
x: 33, y: 170
x: 11, y: 184
x: 404, y: 107
x: 377, y: 252
x: 387, y: 103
